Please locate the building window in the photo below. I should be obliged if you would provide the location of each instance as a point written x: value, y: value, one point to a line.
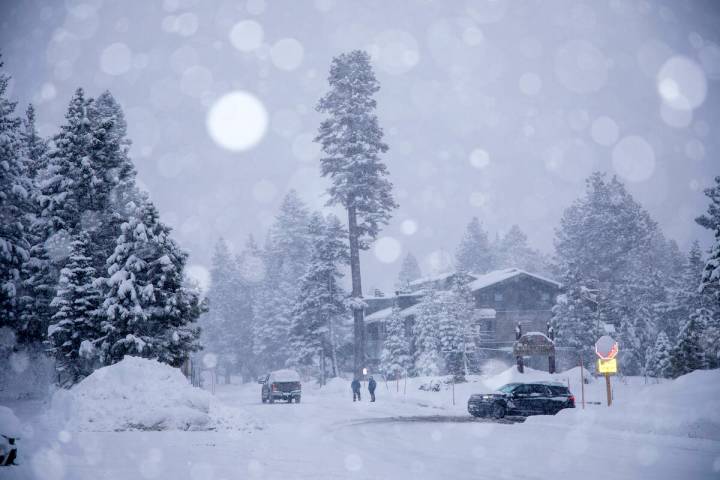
x: 498, y: 297
x: 545, y: 297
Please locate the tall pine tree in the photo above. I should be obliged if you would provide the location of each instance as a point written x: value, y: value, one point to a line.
x: 320, y: 306
x: 15, y: 197
x: 352, y: 142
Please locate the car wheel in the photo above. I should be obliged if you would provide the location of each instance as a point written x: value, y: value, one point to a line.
x: 271, y: 400
x: 498, y: 411
x: 297, y: 399
x: 264, y: 400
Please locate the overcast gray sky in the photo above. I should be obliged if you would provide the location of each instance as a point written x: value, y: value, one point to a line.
x: 494, y: 108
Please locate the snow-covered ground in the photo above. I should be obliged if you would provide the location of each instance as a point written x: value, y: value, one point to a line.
x: 665, y: 431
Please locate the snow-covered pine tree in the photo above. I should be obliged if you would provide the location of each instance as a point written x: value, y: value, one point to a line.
x: 710, y: 282
x: 687, y: 355
x: 285, y: 256
x: 148, y: 310
x: 395, y: 359
x: 15, y: 195
x: 658, y: 361
x: 428, y: 359
x: 409, y: 271
x: 250, y: 271
x: 454, y: 327
x: 512, y: 250
x: 320, y: 305
x: 75, y: 330
x: 39, y: 275
x: 114, y: 174
x: 600, y: 231
x: 609, y: 242
x: 351, y: 140
x: 68, y: 185
x: 684, y: 296
x: 36, y: 147
x: 574, y: 322
x: 220, y: 326
x: 474, y: 254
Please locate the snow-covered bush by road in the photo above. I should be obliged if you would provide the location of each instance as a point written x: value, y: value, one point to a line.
x: 134, y: 394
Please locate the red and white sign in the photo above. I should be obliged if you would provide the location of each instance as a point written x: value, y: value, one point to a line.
x: 606, y: 348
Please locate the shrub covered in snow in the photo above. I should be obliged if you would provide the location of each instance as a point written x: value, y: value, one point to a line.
x: 134, y: 394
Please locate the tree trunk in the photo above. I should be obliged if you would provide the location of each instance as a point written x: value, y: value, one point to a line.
x: 333, y: 354
x: 358, y: 317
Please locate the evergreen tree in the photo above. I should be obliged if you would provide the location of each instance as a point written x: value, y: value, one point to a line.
x: 458, y: 313
x: 684, y: 296
x: 69, y: 187
x: 428, y: 360
x: 710, y: 282
x: 608, y: 243
x: 575, y: 324
x: 320, y: 305
x: 352, y: 142
x: 711, y: 220
x: 114, y: 174
x: 39, y: 276
x: 474, y: 254
x: 409, y: 271
x: 220, y: 325
x: 285, y: 257
x: 148, y: 310
x: 513, y: 251
x: 658, y: 364
x: 15, y: 191
x: 250, y: 271
x: 75, y: 330
x: 35, y: 146
x: 687, y: 355
x: 395, y: 359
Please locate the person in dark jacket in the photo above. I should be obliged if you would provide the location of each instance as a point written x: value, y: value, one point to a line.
x: 355, y: 385
x: 371, y: 388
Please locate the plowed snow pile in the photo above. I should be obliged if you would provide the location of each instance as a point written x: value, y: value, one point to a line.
x: 687, y: 407
x: 134, y: 394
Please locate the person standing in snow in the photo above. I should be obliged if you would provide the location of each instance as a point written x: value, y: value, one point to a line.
x: 371, y: 388
x: 355, y: 385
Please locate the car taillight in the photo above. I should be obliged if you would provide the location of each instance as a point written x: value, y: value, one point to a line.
x: 572, y: 399
x: 274, y: 387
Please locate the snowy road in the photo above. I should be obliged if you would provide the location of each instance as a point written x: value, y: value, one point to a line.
x: 328, y: 436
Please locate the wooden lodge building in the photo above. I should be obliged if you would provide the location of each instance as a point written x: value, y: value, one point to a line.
x: 504, y: 299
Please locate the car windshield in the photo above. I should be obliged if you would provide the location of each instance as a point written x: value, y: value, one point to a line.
x: 508, y: 388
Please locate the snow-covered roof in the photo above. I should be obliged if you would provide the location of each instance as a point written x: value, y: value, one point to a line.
x: 498, y: 276
x: 382, y: 315
x: 435, y: 278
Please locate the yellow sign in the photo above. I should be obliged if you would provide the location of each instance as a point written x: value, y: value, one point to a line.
x: 607, y: 366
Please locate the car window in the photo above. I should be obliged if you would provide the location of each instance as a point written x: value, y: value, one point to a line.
x: 523, y: 390
x: 559, y: 390
x: 541, y: 389
x: 507, y: 388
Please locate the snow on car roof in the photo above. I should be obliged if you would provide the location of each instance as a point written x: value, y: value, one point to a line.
x: 285, y: 375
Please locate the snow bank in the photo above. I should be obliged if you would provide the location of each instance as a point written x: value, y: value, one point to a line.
x: 9, y: 424
x: 686, y: 407
x: 134, y: 394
